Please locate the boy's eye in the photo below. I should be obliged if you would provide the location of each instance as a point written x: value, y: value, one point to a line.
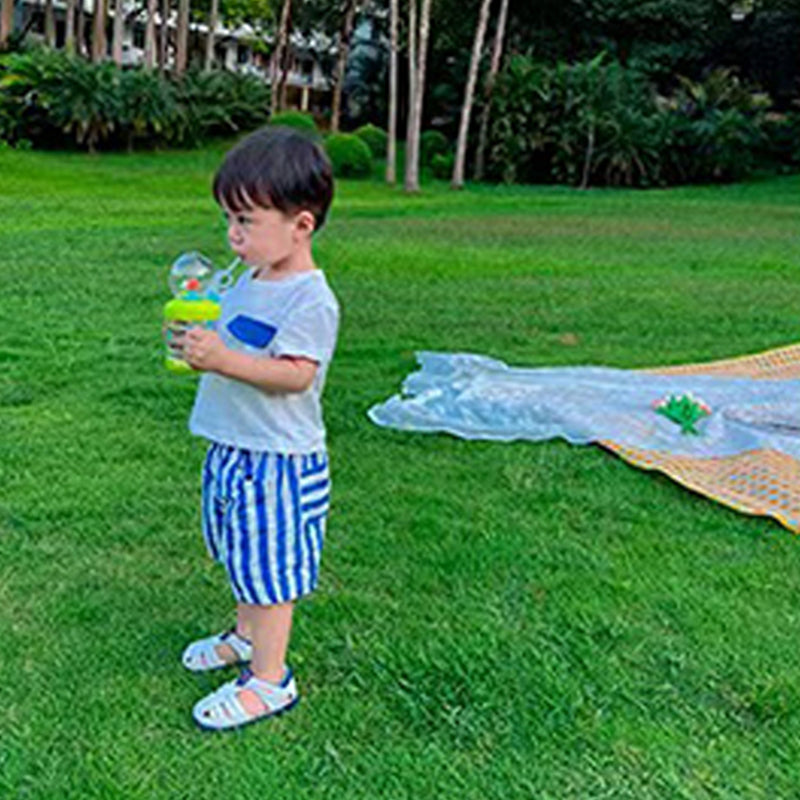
x: 239, y: 219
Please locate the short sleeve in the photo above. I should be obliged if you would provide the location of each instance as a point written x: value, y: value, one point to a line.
x: 309, y: 332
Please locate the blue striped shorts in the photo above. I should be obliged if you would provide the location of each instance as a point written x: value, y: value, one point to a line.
x: 264, y: 517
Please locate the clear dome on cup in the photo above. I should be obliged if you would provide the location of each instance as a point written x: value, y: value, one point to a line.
x: 190, y: 272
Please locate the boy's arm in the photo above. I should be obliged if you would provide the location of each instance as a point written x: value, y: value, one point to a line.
x: 204, y: 350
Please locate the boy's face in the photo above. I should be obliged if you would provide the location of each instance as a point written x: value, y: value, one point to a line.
x: 263, y: 237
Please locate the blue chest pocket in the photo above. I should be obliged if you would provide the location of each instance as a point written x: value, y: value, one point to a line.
x: 252, y: 331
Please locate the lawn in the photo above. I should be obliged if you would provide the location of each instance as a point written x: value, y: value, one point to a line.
x: 494, y: 620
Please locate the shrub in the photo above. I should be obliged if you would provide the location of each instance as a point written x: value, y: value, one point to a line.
x: 248, y: 100
x: 781, y: 140
x: 349, y: 155
x: 442, y: 165
x: 149, y: 106
x: 432, y: 143
x: 375, y: 138
x: 202, y: 107
x: 295, y: 119
x: 45, y: 93
x: 715, y: 129
x: 27, y: 80
x: 596, y: 122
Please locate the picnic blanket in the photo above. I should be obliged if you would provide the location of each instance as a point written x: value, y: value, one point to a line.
x: 746, y: 454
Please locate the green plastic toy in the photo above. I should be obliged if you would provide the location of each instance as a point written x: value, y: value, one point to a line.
x: 685, y: 410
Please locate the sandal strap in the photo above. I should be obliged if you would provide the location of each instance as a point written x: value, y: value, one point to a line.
x: 243, y: 648
x: 266, y: 691
x: 225, y: 703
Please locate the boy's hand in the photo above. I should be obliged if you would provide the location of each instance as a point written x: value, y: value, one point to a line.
x: 204, y: 350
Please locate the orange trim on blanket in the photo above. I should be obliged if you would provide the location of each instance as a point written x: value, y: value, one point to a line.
x: 759, y: 482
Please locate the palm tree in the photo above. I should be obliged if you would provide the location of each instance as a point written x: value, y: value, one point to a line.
x: 69, y: 33
x: 391, y: 148
x: 213, y: 18
x: 341, y: 62
x: 6, y: 21
x: 412, y: 164
x: 163, y: 34
x: 494, y: 68
x: 279, y: 56
x: 150, y: 45
x: 49, y: 24
x: 116, y: 38
x: 182, y: 37
x: 412, y: 82
x: 469, y: 95
x: 80, y: 29
x: 99, y: 41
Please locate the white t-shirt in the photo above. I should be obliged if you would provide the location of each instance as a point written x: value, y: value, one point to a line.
x: 294, y: 316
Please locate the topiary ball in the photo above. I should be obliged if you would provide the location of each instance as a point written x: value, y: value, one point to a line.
x: 375, y: 138
x: 432, y: 143
x: 295, y: 119
x: 349, y: 155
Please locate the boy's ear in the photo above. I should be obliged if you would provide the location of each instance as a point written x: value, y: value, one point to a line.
x: 305, y: 222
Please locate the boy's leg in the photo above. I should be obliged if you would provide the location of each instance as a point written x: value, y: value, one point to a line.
x: 270, y: 627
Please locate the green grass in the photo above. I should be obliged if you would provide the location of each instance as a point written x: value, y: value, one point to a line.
x: 494, y: 620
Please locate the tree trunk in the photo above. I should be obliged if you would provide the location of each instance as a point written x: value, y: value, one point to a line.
x: 150, y: 45
x: 391, y: 148
x: 6, y: 21
x: 80, y: 30
x: 182, y: 40
x: 278, y: 57
x: 163, y: 35
x: 69, y: 32
x: 116, y: 39
x: 587, y: 161
x: 412, y: 168
x: 49, y: 24
x: 99, y: 41
x: 341, y: 63
x: 284, y: 80
x: 287, y: 62
x: 497, y: 54
x: 212, y: 29
x: 469, y: 95
x: 412, y: 84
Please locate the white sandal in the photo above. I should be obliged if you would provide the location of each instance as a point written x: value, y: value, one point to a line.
x: 223, y: 710
x: 202, y: 656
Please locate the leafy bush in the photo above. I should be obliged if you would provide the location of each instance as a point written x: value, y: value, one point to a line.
x: 349, y: 155
x: 781, y: 140
x: 295, y: 119
x: 202, y: 107
x: 714, y: 129
x: 598, y: 122
x: 27, y: 82
x: 217, y: 104
x: 149, y: 106
x: 442, y: 165
x: 432, y: 143
x: 45, y: 93
x: 247, y: 101
x: 375, y: 138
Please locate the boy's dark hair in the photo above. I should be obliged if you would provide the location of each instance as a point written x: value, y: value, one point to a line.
x: 276, y: 167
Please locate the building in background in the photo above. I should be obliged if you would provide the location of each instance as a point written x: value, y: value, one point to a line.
x: 310, y: 65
